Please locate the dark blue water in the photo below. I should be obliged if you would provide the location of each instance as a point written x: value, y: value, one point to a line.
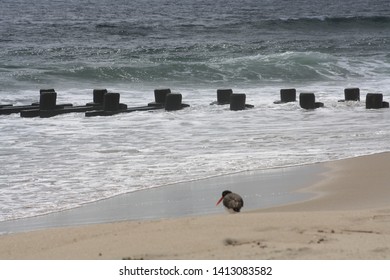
x: 211, y: 43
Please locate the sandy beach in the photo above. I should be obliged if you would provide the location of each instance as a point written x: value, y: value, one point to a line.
x: 348, y: 217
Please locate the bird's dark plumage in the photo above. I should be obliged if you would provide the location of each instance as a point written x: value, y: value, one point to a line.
x: 232, y: 201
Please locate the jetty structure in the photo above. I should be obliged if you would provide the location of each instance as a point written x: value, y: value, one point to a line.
x: 48, y: 108
x: 47, y: 101
x: 107, y: 103
x: 104, y: 104
x: 164, y: 99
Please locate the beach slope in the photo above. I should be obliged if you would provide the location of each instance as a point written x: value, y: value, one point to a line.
x: 348, y: 218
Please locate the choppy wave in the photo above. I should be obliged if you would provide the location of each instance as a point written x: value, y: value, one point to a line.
x: 241, y: 44
x: 177, y: 68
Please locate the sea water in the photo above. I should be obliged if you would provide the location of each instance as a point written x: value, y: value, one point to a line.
x: 256, y: 47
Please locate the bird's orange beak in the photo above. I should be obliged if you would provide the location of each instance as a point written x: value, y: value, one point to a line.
x: 219, y: 201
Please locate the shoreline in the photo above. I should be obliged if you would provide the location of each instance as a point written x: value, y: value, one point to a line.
x: 348, y: 218
x: 261, y: 189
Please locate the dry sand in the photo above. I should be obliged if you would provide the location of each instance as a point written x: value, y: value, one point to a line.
x: 349, y: 218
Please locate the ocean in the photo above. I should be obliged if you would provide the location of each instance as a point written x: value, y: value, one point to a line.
x: 256, y: 47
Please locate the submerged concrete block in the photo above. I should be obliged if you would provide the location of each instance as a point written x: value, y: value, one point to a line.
x: 223, y: 96
x: 287, y: 95
x: 375, y: 101
x: 307, y: 100
x: 47, y: 100
x: 111, y: 101
x: 98, y: 95
x: 352, y: 94
x: 173, y: 102
x: 237, y: 101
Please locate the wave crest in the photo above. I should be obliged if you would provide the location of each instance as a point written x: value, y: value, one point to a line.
x: 285, y: 66
x: 353, y: 21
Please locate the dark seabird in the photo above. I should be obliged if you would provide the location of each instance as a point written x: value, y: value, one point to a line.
x: 232, y: 201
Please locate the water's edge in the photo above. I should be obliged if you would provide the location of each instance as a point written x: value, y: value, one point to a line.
x: 260, y: 189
